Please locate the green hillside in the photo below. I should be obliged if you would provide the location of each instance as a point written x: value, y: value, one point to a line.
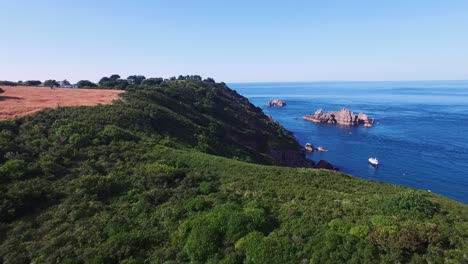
x: 185, y: 172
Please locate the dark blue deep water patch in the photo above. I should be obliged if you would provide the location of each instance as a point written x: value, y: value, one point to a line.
x: 420, y: 136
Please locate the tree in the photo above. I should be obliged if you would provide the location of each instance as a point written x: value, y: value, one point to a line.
x: 104, y: 80
x: 66, y: 83
x: 209, y: 80
x: 51, y: 83
x: 152, y: 81
x: 120, y: 84
x: 32, y: 83
x: 114, y: 77
x: 113, y: 81
x: 136, y: 79
x: 195, y: 77
x: 85, y: 83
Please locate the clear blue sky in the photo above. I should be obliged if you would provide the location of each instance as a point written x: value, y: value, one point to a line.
x: 236, y: 41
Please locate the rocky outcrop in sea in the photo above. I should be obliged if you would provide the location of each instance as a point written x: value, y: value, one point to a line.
x: 342, y: 117
x: 276, y: 102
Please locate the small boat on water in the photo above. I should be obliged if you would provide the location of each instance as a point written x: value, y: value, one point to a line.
x: 321, y: 149
x: 309, y: 147
x: 373, y: 161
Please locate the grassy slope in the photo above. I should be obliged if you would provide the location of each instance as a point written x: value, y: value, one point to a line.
x: 107, y: 185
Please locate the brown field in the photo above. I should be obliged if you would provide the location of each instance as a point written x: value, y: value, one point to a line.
x: 20, y: 101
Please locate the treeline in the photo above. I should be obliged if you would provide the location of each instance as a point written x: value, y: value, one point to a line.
x: 112, y: 82
x: 26, y: 83
x: 116, y: 82
x: 47, y: 83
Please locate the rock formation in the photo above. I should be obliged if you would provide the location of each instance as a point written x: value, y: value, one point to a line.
x: 308, y: 147
x: 323, y: 164
x: 292, y: 158
x: 342, y: 117
x: 276, y: 102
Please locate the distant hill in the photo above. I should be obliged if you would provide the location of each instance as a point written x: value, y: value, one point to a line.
x: 184, y: 172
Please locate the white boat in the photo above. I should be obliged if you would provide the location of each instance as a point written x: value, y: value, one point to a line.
x: 321, y: 149
x: 309, y: 147
x: 373, y: 161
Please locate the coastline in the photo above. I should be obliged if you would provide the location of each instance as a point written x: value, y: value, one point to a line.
x: 406, y: 118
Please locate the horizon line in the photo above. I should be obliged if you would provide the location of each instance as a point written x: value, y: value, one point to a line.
x: 301, y: 81
x: 415, y: 80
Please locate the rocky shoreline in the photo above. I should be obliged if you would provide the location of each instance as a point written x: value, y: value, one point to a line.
x: 297, y: 158
x: 343, y: 117
x: 294, y: 158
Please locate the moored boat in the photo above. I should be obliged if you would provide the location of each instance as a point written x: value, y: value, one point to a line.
x: 373, y: 161
x: 309, y: 147
x: 321, y: 149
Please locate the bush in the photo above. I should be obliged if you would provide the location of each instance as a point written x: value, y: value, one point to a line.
x: 414, y: 203
x: 196, y: 205
x: 13, y: 169
x: 114, y: 133
x: 152, y: 81
x: 222, y: 225
x: 85, y: 84
x: 259, y: 249
x: 8, y: 83
x: 51, y: 83
x: 103, y: 187
x: 32, y: 83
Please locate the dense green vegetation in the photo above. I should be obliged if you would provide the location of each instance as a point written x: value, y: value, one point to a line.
x: 51, y: 83
x: 26, y: 83
x: 32, y: 83
x: 85, y: 84
x: 168, y: 175
x: 112, y: 82
x: 8, y: 83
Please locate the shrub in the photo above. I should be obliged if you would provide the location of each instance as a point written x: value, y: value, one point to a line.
x: 152, y: 81
x: 259, y: 249
x: 51, y: 83
x: 32, y: 83
x: 103, y: 187
x: 114, y: 133
x: 8, y: 83
x: 85, y: 84
x: 196, y: 205
x: 222, y: 225
x: 13, y: 169
x: 414, y: 203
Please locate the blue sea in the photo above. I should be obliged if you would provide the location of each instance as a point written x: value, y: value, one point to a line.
x: 420, y: 137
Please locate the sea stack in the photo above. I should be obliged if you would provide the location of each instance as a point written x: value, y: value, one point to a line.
x: 277, y: 103
x: 343, y: 117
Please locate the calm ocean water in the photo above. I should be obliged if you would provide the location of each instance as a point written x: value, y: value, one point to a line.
x: 420, y: 138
